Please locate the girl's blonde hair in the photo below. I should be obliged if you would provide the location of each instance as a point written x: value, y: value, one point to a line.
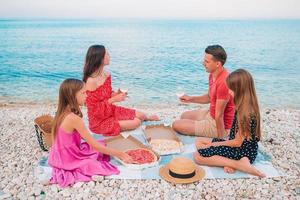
x: 241, y: 83
x: 67, y: 102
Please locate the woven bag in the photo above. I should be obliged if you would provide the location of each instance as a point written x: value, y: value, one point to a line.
x: 43, y: 125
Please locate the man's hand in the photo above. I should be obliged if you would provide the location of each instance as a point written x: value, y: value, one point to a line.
x: 185, y: 99
x: 195, y: 99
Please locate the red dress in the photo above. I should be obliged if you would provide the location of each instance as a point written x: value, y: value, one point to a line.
x: 103, y: 117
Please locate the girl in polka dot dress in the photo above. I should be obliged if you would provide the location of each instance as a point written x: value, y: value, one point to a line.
x: 240, y: 150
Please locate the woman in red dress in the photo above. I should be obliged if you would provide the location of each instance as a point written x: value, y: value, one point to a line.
x: 104, y: 116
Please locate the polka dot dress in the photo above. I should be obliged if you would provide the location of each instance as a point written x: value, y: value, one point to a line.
x: 248, y: 148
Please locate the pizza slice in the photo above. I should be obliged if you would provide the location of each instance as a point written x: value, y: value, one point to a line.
x: 142, y: 156
x: 164, y: 144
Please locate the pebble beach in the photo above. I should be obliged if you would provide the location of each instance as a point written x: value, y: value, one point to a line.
x: 20, y: 152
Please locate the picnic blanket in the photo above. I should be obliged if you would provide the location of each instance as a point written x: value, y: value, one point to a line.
x: 262, y: 162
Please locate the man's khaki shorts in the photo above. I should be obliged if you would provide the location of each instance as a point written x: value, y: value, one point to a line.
x: 205, y: 126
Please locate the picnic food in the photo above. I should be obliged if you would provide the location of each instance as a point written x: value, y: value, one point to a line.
x: 142, y: 156
x: 164, y: 144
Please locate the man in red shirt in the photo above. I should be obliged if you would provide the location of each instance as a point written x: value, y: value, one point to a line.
x: 217, y: 121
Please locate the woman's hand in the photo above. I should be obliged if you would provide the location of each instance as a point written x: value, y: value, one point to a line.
x: 125, y: 157
x: 118, y: 97
x: 185, y: 99
x: 115, y: 93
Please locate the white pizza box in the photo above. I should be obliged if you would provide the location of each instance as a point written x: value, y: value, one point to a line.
x: 162, y: 132
x: 124, y: 144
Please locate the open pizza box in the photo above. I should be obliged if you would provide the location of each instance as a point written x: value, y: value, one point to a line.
x: 124, y: 144
x: 162, y: 133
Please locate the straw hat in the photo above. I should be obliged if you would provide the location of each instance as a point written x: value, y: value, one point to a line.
x: 181, y: 170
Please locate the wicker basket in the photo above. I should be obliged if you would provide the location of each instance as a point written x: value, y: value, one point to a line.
x: 43, y: 125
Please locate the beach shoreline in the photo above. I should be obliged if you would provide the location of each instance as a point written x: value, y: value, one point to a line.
x: 143, y: 105
x: 20, y: 153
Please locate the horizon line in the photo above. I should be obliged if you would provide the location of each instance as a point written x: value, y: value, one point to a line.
x: 143, y: 18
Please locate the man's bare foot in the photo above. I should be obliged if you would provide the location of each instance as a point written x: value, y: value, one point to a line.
x: 152, y: 118
x: 229, y: 170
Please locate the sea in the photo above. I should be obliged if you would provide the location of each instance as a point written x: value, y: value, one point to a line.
x: 151, y: 58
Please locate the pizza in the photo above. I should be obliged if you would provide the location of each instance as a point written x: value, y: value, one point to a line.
x: 164, y: 145
x: 142, y: 156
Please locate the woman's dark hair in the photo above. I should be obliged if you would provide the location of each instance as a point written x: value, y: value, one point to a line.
x: 217, y: 52
x: 93, y: 60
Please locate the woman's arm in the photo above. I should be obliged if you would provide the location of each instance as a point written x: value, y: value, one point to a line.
x: 117, y: 98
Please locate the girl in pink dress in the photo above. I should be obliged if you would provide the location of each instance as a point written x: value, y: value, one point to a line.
x: 72, y: 160
x: 104, y: 116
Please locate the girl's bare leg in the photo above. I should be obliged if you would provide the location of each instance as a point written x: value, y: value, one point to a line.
x: 243, y: 164
x: 203, y: 141
x: 129, y: 124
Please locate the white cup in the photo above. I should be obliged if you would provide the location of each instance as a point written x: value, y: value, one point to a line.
x: 124, y: 90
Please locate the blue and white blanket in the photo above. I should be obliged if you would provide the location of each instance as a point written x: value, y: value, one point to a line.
x: 262, y: 163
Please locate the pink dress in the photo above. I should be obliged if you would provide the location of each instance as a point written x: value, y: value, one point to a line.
x: 103, y: 116
x: 75, y: 161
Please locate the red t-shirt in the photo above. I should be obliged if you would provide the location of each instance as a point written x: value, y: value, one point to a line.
x: 218, y: 90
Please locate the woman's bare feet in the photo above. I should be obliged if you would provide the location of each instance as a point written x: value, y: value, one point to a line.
x: 152, y: 118
x: 229, y: 170
x: 248, y: 168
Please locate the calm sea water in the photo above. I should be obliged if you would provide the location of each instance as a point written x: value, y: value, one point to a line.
x: 152, y: 58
